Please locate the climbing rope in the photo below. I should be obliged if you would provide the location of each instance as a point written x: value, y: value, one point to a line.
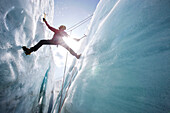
x: 80, y: 23
x: 63, y: 81
x: 67, y: 89
x: 62, y: 103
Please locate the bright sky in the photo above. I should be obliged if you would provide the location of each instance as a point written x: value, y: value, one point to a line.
x: 68, y: 13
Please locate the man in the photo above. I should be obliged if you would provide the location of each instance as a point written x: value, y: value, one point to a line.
x: 56, y: 40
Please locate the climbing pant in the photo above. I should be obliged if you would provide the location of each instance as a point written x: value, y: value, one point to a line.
x: 52, y: 42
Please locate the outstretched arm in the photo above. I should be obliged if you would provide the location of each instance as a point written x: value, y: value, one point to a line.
x: 80, y: 38
x: 71, y: 37
x: 76, y: 39
x: 51, y: 28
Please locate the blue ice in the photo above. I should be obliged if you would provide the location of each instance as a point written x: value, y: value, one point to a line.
x: 126, y: 63
x: 124, y: 68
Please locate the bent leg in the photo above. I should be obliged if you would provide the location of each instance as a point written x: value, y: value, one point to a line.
x: 40, y: 43
x: 69, y: 49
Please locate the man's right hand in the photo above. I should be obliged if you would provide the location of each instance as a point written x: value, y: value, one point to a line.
x: 44, y: 19
x: 76, y: 39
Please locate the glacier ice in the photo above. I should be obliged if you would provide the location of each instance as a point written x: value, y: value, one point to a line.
x: 124, y: 68
x: 126, y: 64
x: 21, y: 76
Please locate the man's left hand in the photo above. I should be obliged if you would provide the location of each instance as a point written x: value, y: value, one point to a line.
x: 44, y: 19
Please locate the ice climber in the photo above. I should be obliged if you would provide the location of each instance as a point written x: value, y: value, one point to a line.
x: 56, y: 40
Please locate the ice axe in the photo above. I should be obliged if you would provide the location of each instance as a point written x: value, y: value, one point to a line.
x: 80, y: 38
x: 44, y: 15
x: 83, y: 36
x: 44, y: 18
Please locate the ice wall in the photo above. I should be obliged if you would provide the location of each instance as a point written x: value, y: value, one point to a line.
x: 21, y: 76
x: 126, y: 64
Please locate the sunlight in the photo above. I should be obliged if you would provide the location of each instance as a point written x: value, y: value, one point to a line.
x: 59, y: 53
x: 75, y: 45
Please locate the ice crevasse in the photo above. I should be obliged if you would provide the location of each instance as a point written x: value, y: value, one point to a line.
x: 125, y: 66
x: 23, y: 79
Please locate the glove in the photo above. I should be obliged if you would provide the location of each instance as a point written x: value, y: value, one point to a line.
x: 85, y: 35
x: 44, y: 19
x: 76, y: 39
